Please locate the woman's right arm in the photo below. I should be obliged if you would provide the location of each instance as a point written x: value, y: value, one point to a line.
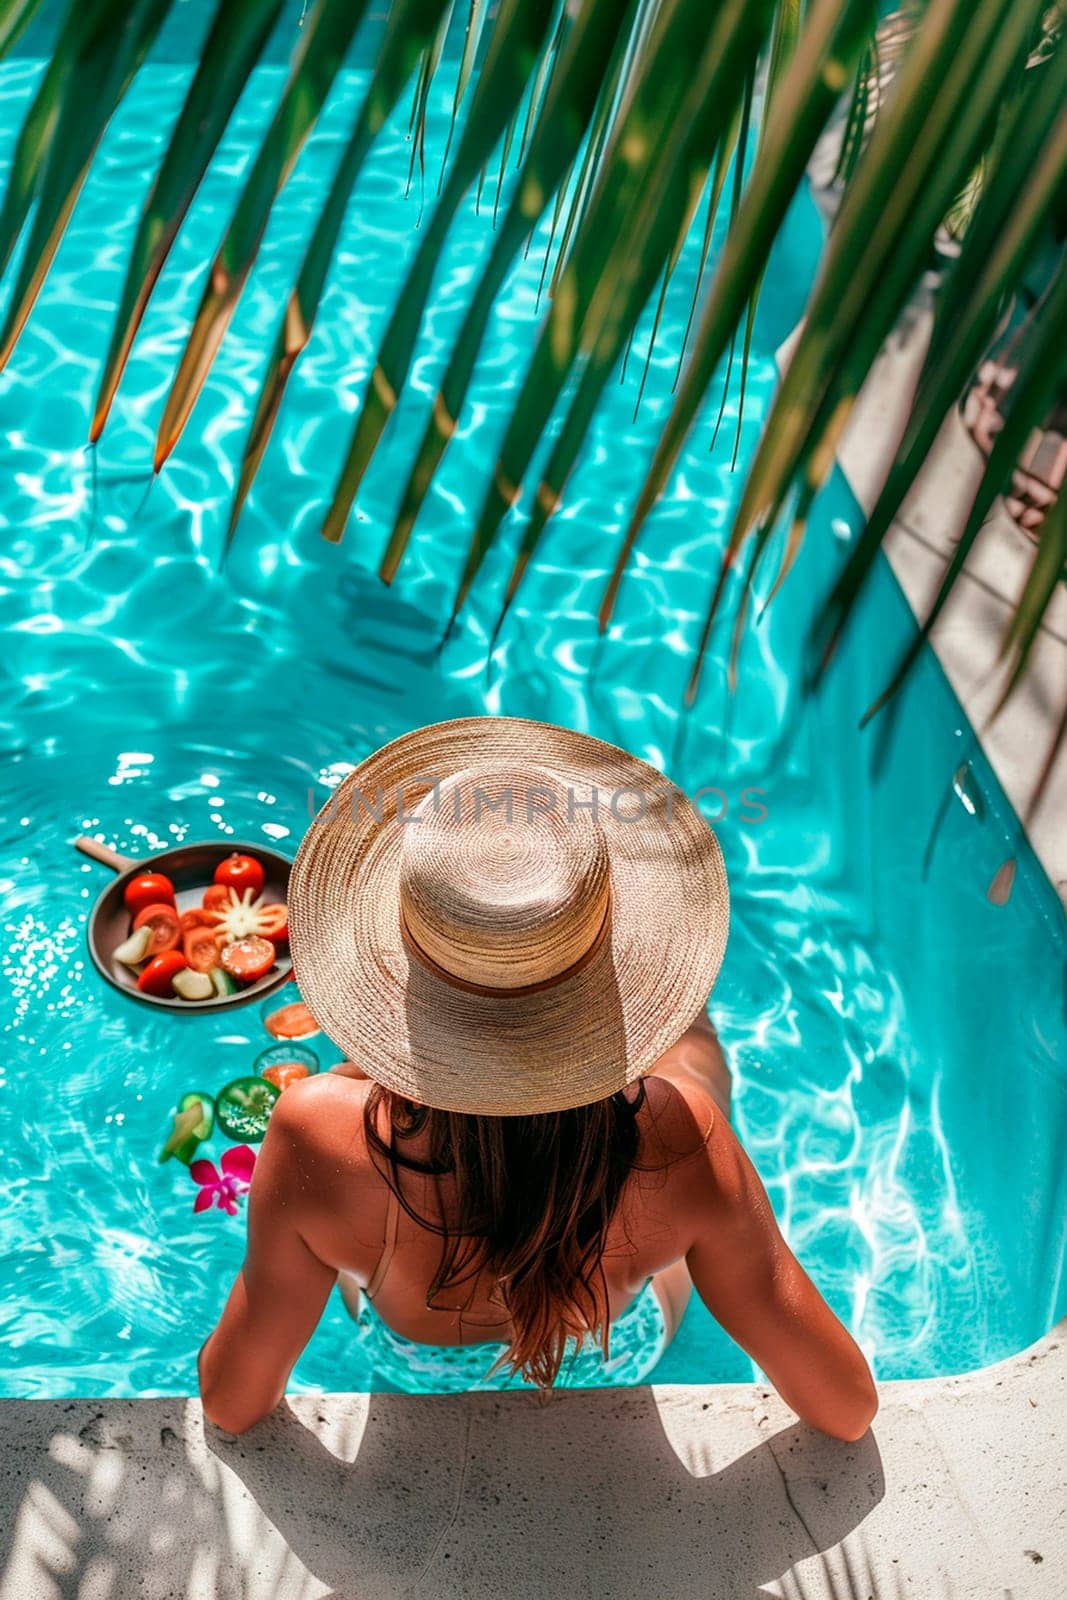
x: 755, y: 1287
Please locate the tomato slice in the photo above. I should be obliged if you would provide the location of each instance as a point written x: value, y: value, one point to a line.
x: 201, y: 949
x: 291, y: 1022
x: 274, y: 922
x: 158, y: 977
x: 216, y: 897
x: 248, y: 959
x: 147, y: 889
x: 195, y: 917
x: 166, y: 929
x: 283, y: 1073
x: 240, y: 872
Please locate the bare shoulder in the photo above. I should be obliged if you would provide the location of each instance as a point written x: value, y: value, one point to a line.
x: 713, y: 1176
x: 318, y: 1124
x: 679, y: 1118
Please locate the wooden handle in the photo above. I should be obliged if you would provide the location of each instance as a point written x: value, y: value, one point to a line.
x: 103, y: 852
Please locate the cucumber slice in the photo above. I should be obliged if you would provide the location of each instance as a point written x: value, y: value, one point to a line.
x: 134, y: 949
x: 243, y: 1108
x: 191, y: 985
x: 222, y: 982
x: 202, y: 1130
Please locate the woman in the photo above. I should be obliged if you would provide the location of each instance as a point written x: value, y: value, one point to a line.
x: 527, y: 1160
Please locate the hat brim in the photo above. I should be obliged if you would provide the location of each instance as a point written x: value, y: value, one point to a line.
x: 569, y: 1044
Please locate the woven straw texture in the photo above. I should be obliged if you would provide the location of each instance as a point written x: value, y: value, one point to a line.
x: 500, y: 916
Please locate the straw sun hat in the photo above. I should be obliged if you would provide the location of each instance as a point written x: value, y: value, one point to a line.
x: 500, y: 916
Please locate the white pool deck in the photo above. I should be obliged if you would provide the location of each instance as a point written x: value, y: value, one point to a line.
x: 958, y: 1492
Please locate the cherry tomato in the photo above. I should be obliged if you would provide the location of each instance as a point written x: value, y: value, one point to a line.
x: 216, y: 897
x: 248, y: 959
x: 157, y: 978
x: 240, y: 873
x: 148, y: 889
x: 195, y: 917
x: 292, y: 1022
x: 201, y: 949
x: 163, y: 921
x: 283, y: 1073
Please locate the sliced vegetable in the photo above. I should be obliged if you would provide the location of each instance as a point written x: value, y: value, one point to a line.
x: 244, y: 917
x: 158, y: 977
x: 193, y: 1122
x: 240, y: 872
x: 216, y: 897
x: 195, y: 917
x: 195, y: 1097
x: 223, y: 984
x: 134, y: 950
x: 274, y: 919
x: 284, y: 1073
x: 292, y: 1022
x: 201, y: 949
x: 243, y: 1108
x: 193, y: 985
x: 182, y: 1142
x: 147, y: 889
x: 162, y: 921
x: 248, y: 959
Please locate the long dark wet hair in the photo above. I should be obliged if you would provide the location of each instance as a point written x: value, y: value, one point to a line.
x: 534, y: 1197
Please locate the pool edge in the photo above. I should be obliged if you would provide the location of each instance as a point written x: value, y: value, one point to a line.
x: 958, y: 1489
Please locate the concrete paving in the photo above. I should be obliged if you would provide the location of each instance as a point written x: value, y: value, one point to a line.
x: 958, y: 1491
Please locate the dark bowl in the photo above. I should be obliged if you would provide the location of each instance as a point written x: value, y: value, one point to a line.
x: 190, y: 867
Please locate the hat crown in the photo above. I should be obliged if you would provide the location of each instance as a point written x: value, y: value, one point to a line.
x: 504, y: 876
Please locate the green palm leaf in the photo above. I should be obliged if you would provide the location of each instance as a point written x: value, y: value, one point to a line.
x: 1045, y: 576
x: 232, y: 48
x: 718, y: 82
x: 409, y: 33
x: 476, y: 19
x: 102, y: 44
x: 829, y: 45
x: 1042, y: 367
x: 15, y: 18
x: 1022, y: 183
x: 616, y: 108
x: 585, y: 63
x: 958, y: 69
x: 518, y: 35
x: 648, y: 122
x: 323, y: 46
x: 431, y: 60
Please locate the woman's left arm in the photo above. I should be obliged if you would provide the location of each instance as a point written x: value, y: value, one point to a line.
x: 279, y: 1294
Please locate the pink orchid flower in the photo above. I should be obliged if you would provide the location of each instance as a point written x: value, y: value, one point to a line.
x: 222, y: 1189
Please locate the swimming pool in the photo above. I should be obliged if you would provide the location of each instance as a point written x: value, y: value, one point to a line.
x: 898, y: 1042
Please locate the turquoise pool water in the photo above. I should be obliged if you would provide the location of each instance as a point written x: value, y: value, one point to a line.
x: 898, y: 1042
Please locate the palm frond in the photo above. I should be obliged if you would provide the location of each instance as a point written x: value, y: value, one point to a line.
x: 102, y: 44
x: 518, y: 35
x: 15, y: 18
x: 826, y: 53
x: 233, y: 46
x: 589, y: 58
x: 409, y: 31
x: 619, y: 117
x: 323, y: 45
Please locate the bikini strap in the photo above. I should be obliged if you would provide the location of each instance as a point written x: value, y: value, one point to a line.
x: 392, y: 1226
